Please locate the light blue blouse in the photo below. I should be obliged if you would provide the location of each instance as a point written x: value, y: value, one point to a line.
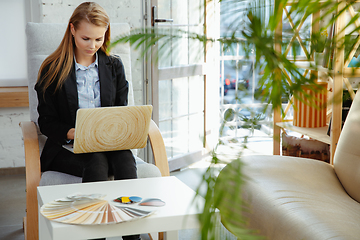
x: 88, y: 84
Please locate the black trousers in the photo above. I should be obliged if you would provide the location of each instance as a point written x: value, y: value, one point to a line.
x: 93, y: 167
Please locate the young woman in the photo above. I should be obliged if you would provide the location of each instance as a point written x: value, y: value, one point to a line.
x: 81, y: 74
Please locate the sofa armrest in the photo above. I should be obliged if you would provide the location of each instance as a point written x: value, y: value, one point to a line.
x: 33, y: 175
x: 158, y: 148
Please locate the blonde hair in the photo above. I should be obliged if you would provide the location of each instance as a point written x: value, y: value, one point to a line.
x: 60, y: 62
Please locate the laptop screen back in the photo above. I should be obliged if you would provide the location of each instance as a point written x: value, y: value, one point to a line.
x: 111, y: 128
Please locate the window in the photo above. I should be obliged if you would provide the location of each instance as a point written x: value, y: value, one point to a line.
x: 240, y: 96
x: 13, y: 65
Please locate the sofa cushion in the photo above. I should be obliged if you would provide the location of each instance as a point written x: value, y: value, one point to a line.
x: 295, y: 198
x: 347, y: 154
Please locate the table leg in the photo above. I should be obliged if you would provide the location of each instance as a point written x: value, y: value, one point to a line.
x: 44, y: 233
x: 154, y: 236
x: 172, y: 235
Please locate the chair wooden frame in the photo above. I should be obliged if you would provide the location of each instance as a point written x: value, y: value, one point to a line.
x: 33, y: 172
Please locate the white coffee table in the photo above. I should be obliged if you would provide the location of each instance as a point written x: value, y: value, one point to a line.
x: 179, y: 212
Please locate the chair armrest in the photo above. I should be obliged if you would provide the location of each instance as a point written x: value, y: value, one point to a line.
x: 33, y: 175
x: 158, y: 148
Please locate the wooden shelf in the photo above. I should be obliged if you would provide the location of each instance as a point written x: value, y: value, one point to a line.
x: 311, y: 66
x: 319, y: 133
x: 14, y: 97
x: 337, y: 76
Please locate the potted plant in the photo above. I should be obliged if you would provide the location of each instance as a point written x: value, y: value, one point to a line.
x: 319, y: 41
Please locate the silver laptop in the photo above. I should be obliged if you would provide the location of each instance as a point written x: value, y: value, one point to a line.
x: 111, y: 128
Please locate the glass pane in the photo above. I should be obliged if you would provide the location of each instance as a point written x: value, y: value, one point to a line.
x: 164, y: 53
x: 350, y: 44
x: 165, y: 99
x: 223, y: 90
x: 180, y: 136
x: 163, y: 8
x: 180, y: 97
x: 245, y: 72
x: 196, y: 132
x: 180, y: 12
x: 180, y: 47
x: 304, y: 33
x: 245, y: 50
x: 196, y: 48
x: 236, y: 80
x: 165, y: 128
x: 231, y: 14
x: 230, y: 71
x: 196, y: 12
x: 196, y: 94
x: 230, y: 50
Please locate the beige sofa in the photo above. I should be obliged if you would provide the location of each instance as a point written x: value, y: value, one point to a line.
x: 297, y: 198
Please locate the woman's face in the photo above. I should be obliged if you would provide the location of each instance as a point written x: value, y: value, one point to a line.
x: 88, y: 39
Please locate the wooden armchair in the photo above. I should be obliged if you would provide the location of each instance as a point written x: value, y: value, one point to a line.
x: 42, y: 39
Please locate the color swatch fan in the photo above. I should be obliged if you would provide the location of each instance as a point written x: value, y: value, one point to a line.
x: 88, y: 211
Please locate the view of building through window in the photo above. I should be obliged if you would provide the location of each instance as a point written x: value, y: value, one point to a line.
x: 239, y: 79
x: 240, y: 92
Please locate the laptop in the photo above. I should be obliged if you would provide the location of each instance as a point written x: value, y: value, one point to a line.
x: 111, y: 129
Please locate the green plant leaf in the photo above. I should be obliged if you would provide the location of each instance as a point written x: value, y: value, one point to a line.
x: 254, y: 26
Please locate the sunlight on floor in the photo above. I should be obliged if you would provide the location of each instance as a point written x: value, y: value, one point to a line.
x: 256, y: 143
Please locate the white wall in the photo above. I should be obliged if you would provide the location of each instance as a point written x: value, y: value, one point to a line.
x: 11, y: 146
x: 55, y: 11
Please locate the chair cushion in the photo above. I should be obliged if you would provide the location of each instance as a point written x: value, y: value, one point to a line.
x: 144, y: 170
x: 49, y: 178
x: 295, y: 198
x: 147, y: 170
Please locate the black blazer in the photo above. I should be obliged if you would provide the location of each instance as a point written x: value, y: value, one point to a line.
x: 57, y: 110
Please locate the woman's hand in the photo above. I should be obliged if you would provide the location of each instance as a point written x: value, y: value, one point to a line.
x: 70, y: 134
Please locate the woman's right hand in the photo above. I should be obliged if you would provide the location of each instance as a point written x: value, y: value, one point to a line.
x: 71, y: 134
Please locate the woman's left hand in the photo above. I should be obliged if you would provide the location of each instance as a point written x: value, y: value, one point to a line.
x: 71, y: 134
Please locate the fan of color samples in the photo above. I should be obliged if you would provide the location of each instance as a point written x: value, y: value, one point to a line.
x: 88, y: 211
